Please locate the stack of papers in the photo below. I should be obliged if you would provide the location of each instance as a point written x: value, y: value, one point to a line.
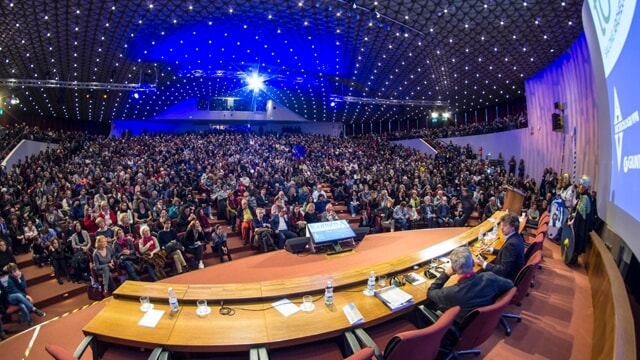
x: 394, y: 298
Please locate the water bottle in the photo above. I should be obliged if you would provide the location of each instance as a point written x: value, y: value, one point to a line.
x: 495, y: 229
x: 480, y: 236
x: 371, y: 283
x: 328, y: 293
x: 173, y: 301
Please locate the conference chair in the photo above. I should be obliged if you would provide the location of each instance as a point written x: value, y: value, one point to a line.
x: 522, y: 283
x: 477, y: 327
x: 110, y: 353
x: 319, y: 350
x: 416, y: 344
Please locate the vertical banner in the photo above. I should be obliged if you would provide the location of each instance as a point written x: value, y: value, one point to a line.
x: 575, y: 155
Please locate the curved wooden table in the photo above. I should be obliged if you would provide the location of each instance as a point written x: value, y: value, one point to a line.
x: 251, y: 285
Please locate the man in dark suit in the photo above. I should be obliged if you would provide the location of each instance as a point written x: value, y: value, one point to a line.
x: 510, y: 258
x: 280, y: 225
x: 470, y: 291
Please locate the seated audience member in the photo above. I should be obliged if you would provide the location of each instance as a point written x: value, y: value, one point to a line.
x: 220, y: 243
x: 458, y: 215
x: 16, y: 286
x: 150, y: 254
x: 103, y: 230
x: 510, y: 258
x: 533, y: 215
x: 16, y: 233
x: 185, y: 218
x: 321, y: 204
x: 412, y: 216
x: 329, y: 213
x: 125, y: 253
x: 107, y: 214
x: 245, y: 214
x: 385, y: 212
x: 444, y: 213
x: 296, y: 219
x: 89, y: 221
x: 365, y: 220
x: 41, y: 246
x: 127, y: 226
x: 354, y: 203
x: 194, y: 242
x: 400, y: 216
x: 77, y: 211
x: 124, y: 212
x: 428, y: 212
x: 470, y: 291
x: 6, y: 255
x: 80, y: 240
x: 142, y: 215
x: 104, y: 261
x: 168, y: 240
x: 281, y: 227
x: 310, y: 215
x: 30, y: 236
x: 262, y: 230
x: 490, y: 208
x: 59, y: 260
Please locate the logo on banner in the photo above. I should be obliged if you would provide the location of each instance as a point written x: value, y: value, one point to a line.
x: 620, y: 124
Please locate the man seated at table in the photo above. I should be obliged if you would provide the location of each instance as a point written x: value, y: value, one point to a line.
x: 470, y: 291
x: 510, y: 258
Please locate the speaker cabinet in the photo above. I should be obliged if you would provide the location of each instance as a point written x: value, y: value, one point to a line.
x: 297, y: 245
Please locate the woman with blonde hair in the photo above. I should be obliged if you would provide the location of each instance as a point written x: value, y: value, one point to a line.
x: 194, y: 241
x: 104, y: 261
x: 150, y: 251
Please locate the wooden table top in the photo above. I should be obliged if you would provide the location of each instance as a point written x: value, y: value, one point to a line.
x: 255, y: 321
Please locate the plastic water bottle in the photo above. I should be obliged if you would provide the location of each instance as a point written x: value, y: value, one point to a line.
x: 328, y: 293
x: 371, y: 283
x: 173, y: 301
x: 495, y: 229
x: 480, y: 236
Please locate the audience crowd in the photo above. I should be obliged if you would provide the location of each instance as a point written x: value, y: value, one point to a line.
x: 98, y: 186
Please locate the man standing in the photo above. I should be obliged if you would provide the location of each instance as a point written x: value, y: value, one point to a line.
x: 510, y: 258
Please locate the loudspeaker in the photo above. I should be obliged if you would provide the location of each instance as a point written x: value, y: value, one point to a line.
x: 558, y: 105
x: 297, y: 245
x: 361, y: 232
x: 557, y: 122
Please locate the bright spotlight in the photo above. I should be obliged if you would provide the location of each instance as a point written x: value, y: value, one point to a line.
x: 446, y: 114
x: 434, y: 114
x: 333, y: 103
x: 255, y: 81
x: 136, y: 95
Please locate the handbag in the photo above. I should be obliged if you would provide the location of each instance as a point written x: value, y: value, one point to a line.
x: 173, y: 246
x: 94, y: 292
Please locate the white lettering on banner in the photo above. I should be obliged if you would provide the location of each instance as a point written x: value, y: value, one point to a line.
x: 621, y: 124
x: 631, y: 162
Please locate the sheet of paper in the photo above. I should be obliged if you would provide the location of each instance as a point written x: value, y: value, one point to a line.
x: 151, y: 318
x: 286, y: 307
x: 352, y: 313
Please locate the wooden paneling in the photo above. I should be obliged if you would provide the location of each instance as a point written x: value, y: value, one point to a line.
x: 613, y: 329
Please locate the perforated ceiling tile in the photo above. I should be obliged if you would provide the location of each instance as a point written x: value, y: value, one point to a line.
x: 468, y: 53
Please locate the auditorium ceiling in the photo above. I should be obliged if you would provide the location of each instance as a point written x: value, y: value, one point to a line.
x: 101, y: 60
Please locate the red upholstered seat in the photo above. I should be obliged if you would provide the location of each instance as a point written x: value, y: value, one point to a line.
x: 479, y: 325
x: 405, y: 342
